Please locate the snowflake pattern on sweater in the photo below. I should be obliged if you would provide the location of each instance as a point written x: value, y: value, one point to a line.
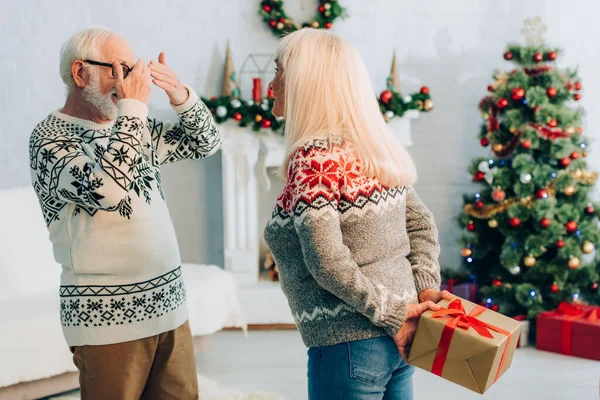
x: 66, y: 170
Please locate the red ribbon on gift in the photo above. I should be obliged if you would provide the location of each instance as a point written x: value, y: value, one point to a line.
x: 570, y: 313
x: 460, y: 319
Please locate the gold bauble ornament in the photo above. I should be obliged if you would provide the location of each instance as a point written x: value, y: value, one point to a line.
x: 315, y: 24
x: 466, y: 252
x: 569, y: 190
x: 428, y: 105
x: 529, y: 261
x: 498, y: 147
x: 574, y: 262
x: 258, y: 118
x: 513, y: 129
x: 419, y: 104
x: 578, y: 173
x: 570, y: 130
x: 492, y: 223
x: 587, y: 247
x: 280, y: 25
x: 585, y: 154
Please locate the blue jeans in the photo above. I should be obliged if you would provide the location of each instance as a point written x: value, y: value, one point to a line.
x: 361, y: 370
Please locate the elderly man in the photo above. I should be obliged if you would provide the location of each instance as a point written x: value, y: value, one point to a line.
x: 95, y: 165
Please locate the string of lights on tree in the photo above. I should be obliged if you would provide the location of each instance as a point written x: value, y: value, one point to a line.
x: 531, y: 231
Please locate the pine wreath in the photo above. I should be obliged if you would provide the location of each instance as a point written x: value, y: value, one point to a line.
x: 279, y: 23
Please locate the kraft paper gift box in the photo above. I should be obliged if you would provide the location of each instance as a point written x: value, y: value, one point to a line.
x: 465, y: 343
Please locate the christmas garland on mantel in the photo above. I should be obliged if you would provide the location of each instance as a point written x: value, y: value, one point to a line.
x: 256, y: 113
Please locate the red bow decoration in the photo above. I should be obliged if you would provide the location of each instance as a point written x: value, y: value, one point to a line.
x: 570, y: 313
x: 576, y: 312
x: 460, y: 319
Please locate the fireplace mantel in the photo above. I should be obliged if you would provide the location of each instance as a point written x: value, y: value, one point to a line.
x: 245, y: 157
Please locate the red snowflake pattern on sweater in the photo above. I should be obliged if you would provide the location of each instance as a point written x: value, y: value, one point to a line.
x: 321, y: 175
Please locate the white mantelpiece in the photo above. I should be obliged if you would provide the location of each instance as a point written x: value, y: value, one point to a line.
x: 245, y: 157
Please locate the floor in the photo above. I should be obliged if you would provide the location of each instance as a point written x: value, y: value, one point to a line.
x: 275, y: 361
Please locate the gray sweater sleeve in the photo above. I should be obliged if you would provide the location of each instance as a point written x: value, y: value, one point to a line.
x: 424, y: 245
x: 315, y: 193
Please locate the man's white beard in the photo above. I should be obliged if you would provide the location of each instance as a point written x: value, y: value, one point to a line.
x: 102, y: 102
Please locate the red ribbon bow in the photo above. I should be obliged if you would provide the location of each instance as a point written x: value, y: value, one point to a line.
x: 460, y: 319
x: 570, y: 313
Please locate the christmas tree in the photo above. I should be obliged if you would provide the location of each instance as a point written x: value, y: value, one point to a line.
x: 531, y: 231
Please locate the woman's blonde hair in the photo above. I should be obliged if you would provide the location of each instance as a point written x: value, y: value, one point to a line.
x: 328, y: 93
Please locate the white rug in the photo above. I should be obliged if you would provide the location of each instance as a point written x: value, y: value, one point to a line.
x: 210, y: 390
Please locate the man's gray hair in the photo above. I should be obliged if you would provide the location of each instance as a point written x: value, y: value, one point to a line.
x: 82, y: 45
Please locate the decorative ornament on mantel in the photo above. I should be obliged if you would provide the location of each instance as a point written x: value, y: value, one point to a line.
x: 394, y: 104
x: 280, y: 23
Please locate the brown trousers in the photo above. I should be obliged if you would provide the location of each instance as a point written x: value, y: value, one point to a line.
x: 160, y: 367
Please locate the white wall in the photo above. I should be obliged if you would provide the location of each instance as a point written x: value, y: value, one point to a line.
x: 452, y: 46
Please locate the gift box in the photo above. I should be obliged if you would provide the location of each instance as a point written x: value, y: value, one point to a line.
x: 465, y: 343
x: 463, y: 290
x: 571, y: 330
x: 524, y: 336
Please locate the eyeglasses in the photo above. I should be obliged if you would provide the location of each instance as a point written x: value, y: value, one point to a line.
x: 126, y: 69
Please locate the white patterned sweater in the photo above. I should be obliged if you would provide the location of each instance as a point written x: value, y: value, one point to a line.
x: 351, y: 253
x: 99, y: 187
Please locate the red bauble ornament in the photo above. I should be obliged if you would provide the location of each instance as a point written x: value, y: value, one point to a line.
x: 541, y: 194
x: 514, y: 222
x: 267, y: 8
x: 237, y: 116
x: 560, y: 243
x: 580, y: 130
x: 484, y: 142
x: 577, y: 86
x: 508, y: 56
x: 577, y: 97
x: 471, y: 227
x: 266, y: 123
x: 554, y: 288
x: 282, y: 20
x: 490, y: 88
x: 517, y: 94
x: 328, y: 25
x: 479, y: 176
x: 386, y: 96
x: 526, y: 144
x: 478, y: 205
x: 569, y: 85
x: 498, y: 195
x: 589, y: 210
x: 553, y: 123
x: 321, y: 9
x: 571, y: 226
x: 495, y: 307
x: 502, y: 103
x: 272, y: 23
x: 424, y: 90
x: 551, y: 92
x: 574, y: 155
x: 551, y: 56
x: 565, y: 162
x: 545, y: 222
x: 537, y: 57
x: 497, y: 282
x: 594, y: 287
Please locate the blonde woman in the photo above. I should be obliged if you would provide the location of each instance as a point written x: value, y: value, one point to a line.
x: 356, y: 248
